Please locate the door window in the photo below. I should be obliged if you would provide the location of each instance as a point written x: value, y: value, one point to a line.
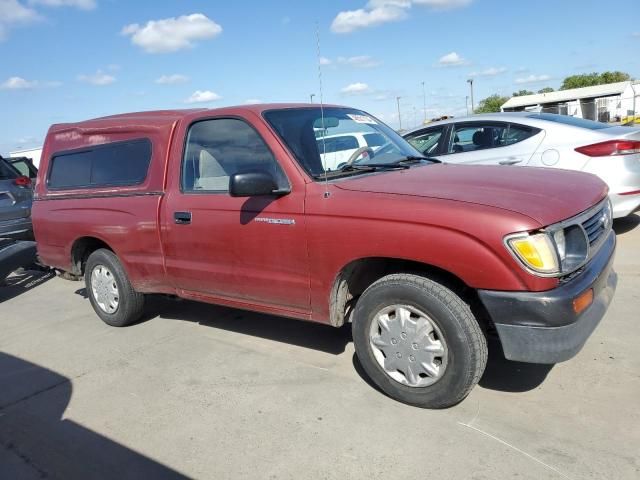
x: 480, y: 136
x: 427, y: 141
x: 219, y: 148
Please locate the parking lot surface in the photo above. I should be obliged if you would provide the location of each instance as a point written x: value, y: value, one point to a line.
x: 199, y: 391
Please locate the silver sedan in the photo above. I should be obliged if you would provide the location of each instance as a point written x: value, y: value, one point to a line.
x: 541, y: 140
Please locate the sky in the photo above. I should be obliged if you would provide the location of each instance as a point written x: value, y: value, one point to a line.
x: 70, y: 60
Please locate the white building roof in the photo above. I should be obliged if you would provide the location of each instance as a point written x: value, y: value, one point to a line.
x: 567, y: 95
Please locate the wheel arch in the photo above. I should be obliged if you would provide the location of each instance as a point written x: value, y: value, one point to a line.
x: 81, y: 249
x: 354, y: 278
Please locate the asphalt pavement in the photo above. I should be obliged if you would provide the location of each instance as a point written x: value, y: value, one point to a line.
x: 199, y: 391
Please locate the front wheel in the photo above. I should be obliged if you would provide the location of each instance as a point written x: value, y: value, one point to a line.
x: 418, y: 341
x: 109, y: 290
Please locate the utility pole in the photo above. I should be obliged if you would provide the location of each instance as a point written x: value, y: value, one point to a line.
x: 424, y: 102
x: 399, y: 117
x: 311, y: 97
x: 470, y: 82
x: 466, y: 103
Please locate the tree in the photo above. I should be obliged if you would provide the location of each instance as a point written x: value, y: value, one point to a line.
x: 593, y: 78
x: 522, y: 93
x: 491, y: 104
x: 546, y: 90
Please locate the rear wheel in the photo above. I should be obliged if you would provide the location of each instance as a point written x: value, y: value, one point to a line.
x: 418, y: 341
x: 109, y: 290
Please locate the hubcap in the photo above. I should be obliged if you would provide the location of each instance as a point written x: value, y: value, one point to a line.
x: 408, y: 345
x: 104, y: 289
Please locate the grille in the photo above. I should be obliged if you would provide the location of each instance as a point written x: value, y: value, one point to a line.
x: 596, y: 225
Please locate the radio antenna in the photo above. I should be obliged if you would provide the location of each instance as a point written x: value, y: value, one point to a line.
x: 324, y: 147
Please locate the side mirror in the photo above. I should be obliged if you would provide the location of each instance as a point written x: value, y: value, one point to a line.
x: 252, y: 184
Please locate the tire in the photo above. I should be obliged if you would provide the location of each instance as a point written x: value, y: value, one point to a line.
x: 120, y: 306
x: 454, y: 350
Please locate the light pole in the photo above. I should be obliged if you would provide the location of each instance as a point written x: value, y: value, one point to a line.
x: 466, y: 103
x: 399, y: 117
x: 470, y: 82
x: 311, y: 97
x: 424, y: 103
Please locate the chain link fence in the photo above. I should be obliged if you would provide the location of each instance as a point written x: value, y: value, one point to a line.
x: 615, y: 109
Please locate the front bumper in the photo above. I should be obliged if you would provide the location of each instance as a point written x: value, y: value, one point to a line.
x: 543, y: 327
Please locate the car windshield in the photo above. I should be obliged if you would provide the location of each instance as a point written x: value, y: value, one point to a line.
x: 567, y: 120
x: 331, y: 139
x: 7, y: 172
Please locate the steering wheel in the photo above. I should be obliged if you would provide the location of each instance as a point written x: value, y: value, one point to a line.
x: 359, y: 152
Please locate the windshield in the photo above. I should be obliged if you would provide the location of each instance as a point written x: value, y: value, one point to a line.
x: 343, y: 137
x: 573, y: 121
x: 6, y: 171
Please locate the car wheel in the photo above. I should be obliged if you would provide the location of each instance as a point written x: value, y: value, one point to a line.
x: 418, y: 341
x: 109, y: 290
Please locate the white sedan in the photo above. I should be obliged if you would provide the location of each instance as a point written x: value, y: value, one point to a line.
x: 541, y: 140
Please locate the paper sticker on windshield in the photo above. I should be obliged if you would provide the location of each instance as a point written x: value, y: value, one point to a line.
x: 361, y: 119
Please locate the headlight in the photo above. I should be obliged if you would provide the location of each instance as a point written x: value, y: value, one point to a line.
x: 536, y: 251
x: 551, y: 253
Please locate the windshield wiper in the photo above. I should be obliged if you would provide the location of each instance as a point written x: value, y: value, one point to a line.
x: 417, y: 159
x: 373, y: 167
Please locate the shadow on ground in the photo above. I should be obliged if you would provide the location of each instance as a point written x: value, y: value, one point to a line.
x: 37, y: 442
x: 22, y: 281
x: 626, y: 224
x: 507, y: 376
x: 501, y: 374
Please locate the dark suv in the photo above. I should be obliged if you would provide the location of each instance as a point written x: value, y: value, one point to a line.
x: 15, y: 202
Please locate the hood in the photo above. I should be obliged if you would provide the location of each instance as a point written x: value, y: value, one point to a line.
x: 544, y: 194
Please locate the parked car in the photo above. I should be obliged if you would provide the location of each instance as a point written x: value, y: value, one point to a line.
x: 541, y: 140
x: 15, y: 202
x: 233, y: 206
x: 336, y: 150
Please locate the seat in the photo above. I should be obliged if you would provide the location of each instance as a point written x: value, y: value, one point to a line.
x: 211, y: 175
x: 482, y: 138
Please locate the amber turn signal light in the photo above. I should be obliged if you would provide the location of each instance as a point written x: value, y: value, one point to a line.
x: 581, y: 302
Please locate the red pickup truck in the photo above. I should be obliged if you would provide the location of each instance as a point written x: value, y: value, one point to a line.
x: 236, y: 206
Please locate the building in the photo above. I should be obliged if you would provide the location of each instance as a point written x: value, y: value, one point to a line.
x: 613, y: 102
x: 32, y: 153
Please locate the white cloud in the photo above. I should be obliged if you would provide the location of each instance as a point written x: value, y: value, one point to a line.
x: 18, y: 83
x: 357, y: 88
x: 533, y: 79
x: 325, y: 61
x: 361, y: 61
x: 172, y: 79
x: 489, y: 72
x: 452, y: 60
x: 99, y: 78
x: 442, y: 4
x: 81, y: 4
x: 13, y: 14
x: 203, y: 96
x: 172, y: 34
x: 251, y: 101
x: 350, y: 20
x: 377, y: 12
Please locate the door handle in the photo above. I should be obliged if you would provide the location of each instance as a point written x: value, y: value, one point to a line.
x: 510, y: 161
x: 182, y: 218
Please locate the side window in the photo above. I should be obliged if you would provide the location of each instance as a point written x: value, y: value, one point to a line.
x: 427, y: 141
x: 338, y: 144
x: 118, y: 163
x: 472, y: 137
x: 517, y: 133
x: 374, y: 139
x: 219, y: 148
